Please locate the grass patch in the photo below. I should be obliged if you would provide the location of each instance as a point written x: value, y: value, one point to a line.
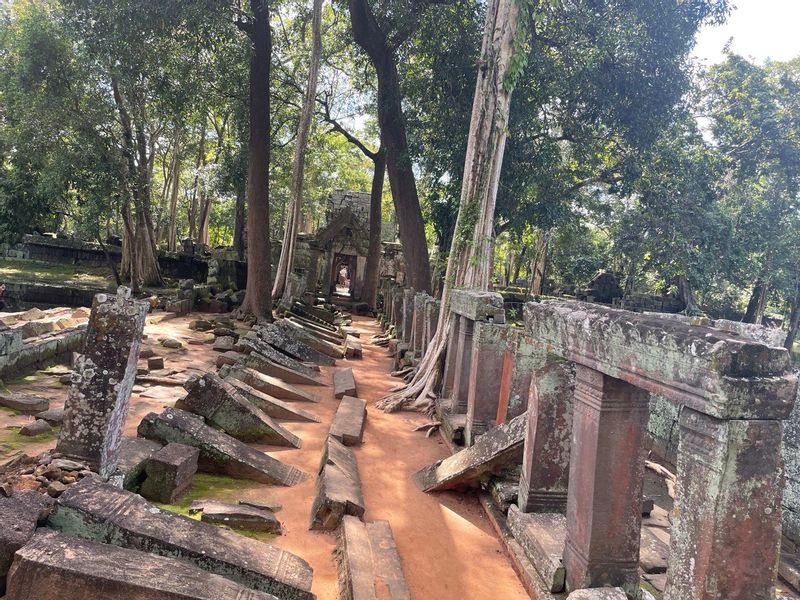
x: 19, y: 269
x: 11, y: 440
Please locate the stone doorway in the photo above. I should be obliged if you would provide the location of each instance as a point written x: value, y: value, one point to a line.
x: 343, y: 277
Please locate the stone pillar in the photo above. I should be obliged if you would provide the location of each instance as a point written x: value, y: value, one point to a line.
x: 604, y: 507
x: 544, y: 480
x: 489, y: 343
x: 97, y: 404
x: 522, y: 358
x: 727, y: 528
x: 397, y: 311
x: 451, y: 358
x: 312, y: 275
x: 418, y: 324
x: 408, y: 313
x: 463, y: 364
x: 431, y: 321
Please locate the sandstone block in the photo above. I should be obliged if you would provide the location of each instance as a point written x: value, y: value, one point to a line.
x: 338, y: 488
x: 277, y: 409
x: 19, y: 515
x: 38, y: 427
x: 344, y: 383
x: 238, y: 516
x: 291, y: 345
x: 169, y: 473
x: 272, y: 385
x: 24, y: 403
x: 348, y: 422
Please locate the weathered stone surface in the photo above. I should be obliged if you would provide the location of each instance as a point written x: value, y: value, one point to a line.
x: 277, y: 409
x: 54, y: 416
x: 24, y: 403
x: 471, y: 466
x: 98, y: 511
x: 522, y: 357
x: 598, y: 594
x: 263, y: 365
x: 291, y: 345
x: 155, y: 363
x: 229, y: 357
x: 353, y: 347
x: 54, y: 566
x: 653, y: 553
x: 368, y: 562
x: 489, y: 345
x: 252, y: 343
x: 463, y: 365
x: 407, y: 308
x: 348, y: 422
x: 325, y: 332
x: 271, y: 385
x: 222, y: 405
x: 344, y: 383
x: 542, y: 537
x: 710, y: 371
x: 312, y: 340
x: 169, y: 473
x: 223, y: 343
x: 478, y: 305
x: 133, y: 455
x: 238, y: 516
x: 19, y: 515
x: 97, y: 404
x: 37, y: 427
x: 219, y: 452
x: 338, y: 487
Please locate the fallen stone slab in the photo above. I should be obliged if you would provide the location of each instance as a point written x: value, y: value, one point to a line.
x: 653, y: 553
x: 264, y: 505
x: 344, y: 383
x: 19, y: 516
x: 37, y: 427
x: 24, y: 403
x: 492, y: 451
x: 237, y: 516
x: 219, y: 452
x: 222, y: 405
x: 348, y: 422
x: 223, y: 343
x: 291, y: 345
x: 542, y: 536
x: 169, y: 473
x: 271, y: 385
x: 98, y: 511
x: 353, y: 348
x: 264, y: 365
x: 54, y: 416
x: 598, y: 594
x: 54, y: 566
x: 134, y: 453
x: 230, y: 357
x: 277, y: 409
x: 291, y: 328
x: 326, y: 332
x: 338, y: 487
x: 368, y: 561
x: 252, y: 343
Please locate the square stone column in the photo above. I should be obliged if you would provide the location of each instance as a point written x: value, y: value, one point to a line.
x: 97, y: 403
x: 431, y: 321
x: 604, y: 506
x: 463, y: 364
x: 544, y: 480
x: 408, y: 314
x: 522, y: 358
x: 727, y: 528
x: 418, y: 323
x: 451, y: 358
x: 397, y: 311
x: 489, y: 344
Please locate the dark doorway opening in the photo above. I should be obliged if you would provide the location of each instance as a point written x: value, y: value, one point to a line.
x: 344, y: 275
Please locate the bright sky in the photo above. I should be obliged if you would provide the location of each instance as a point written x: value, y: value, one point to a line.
x: 760, y: 29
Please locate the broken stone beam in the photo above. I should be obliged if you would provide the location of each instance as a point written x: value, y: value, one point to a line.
x: 100, y: 512
x: 332, y: 336
x: 334, y: 350
x: 271, y: 385
x: 239, y: 516
x: 231, y: 357
x: 545, y: 463
x: 169, y: 473
x: 252, y: 343
x: 489, y: 345
x: 338, y: 487
x: 344, y: 383
x: 19, y: 516
x: 468, y: 468
x: 291, y: 345
x: 97, y: 403
x: 353, y: 347
x: 604, y: 506
x: 54, y: 566
x: 348, y: 422
x: 710, y: 371
x: 726, y: 535
x: 368, y: 560
x: 277, y: 409
x: 219, y: 452
x: 222, y: 405
x: 542, y: 537
x: 264, y: 365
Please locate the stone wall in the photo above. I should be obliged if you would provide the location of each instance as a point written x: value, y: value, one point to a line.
x: 791, y: 493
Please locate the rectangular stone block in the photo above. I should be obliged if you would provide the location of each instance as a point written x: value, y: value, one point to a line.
x: 311, y: 340
x: 408, y: 315
x: 263, y: 365
x: 272, y: 385
x: 291, y: 345
x: 353, y: 347
x: 54, y: 566
x: 344, y: 383
x: 542, y: 536
x: 338, y: 488
x: 169, y: 472
x: 98, y: 398
x: 134, y: 453
x: 489, y: 344
x: 478, y: 305
x: 462, y: 365
x: 19, y: 516
x: 277, y: 409
x: 219, y: 452
x: 348, y: 422
x: 250, y: 342
x: 523, y: 356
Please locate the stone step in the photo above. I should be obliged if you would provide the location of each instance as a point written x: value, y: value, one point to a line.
x: 492, y: 452
x: 348, y: 422
x: 291, y: 328
x: 252, y: 343
x: 237, y: 516
x: 101, y: 512
x: 291, y: 345
x: 264, y: 365
x: 338, y: 487
x: 219, y: 452
x: 271, y: 385
x: 542, y: 536
x: 344, y: 383
x: 277, y: 409
x: 53, y: 566
x: 223, y: 406
x: 368, y: 562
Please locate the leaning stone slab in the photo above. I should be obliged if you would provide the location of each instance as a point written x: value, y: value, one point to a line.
x: 19, y: 515
x: 24, y: 403
x: 344, y: 383
x: 98, y: 511
x: 169, y: 473
x: 272, y: 385
x: 348, y: 422
x: 222, y: 405
x: 237, y: 516
x: 338, y: 488
x: 252, y: 343
x: 368, y: 560
x: 353, y: 347
x: 264, y: 365
x: 293, y: 346
x: 219, y: 452
x: 471, y: 466
x: 310, y: 339
x: 97, y: 404
x: 329, y: 334
x: 54, y: 566
x: 277, y: 409
x: 542, y: 536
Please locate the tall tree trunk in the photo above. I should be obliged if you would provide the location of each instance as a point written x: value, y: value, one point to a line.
x: 687, y: 296
x: 539, y: 264
x: 373, y: 267
x: 286, y: 261
x: 372, y: 39
x: 198, y: 165
x: 172, y: 235
x: 240, y: 218
x: 258, y: 297
x: 468, y: 263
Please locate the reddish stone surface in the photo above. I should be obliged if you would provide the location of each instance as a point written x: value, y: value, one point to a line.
x: 489, y: 343
x: 463, y: 364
